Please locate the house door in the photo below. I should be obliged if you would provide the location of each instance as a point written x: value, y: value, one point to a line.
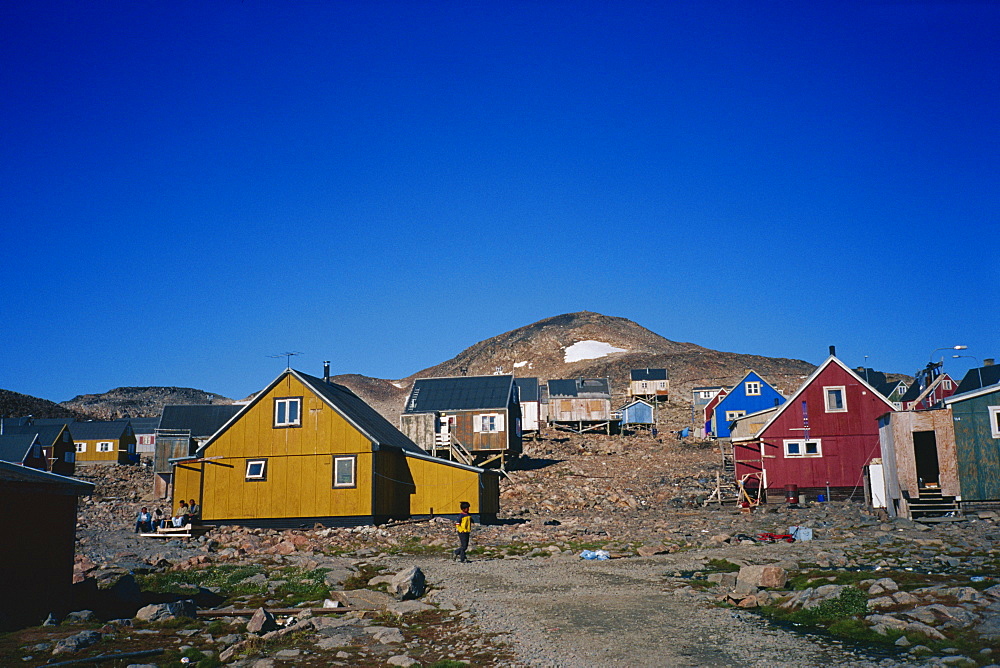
x: 926, y: 457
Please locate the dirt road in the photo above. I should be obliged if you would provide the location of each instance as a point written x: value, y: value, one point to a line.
x: 566, y: 612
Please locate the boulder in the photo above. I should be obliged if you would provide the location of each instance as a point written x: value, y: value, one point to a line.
x: 402, y: 660
x: 262, y: 622
x: 762, y: 577
x: 75, y: 643
x: 157, y: 612
x: 408, y: 584
x: 79, y: 617
x: 882, y: 586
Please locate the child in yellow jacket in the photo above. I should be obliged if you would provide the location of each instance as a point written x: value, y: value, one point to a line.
x: 464, y: 529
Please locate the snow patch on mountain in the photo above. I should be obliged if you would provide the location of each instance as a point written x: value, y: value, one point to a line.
x: 589, y: 350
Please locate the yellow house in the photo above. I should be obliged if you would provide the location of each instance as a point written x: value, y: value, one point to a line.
x: 103, y: 442
x: 308, y: 451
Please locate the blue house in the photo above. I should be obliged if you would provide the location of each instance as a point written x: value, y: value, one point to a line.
x: 750, y: 395
x: 638, y: 412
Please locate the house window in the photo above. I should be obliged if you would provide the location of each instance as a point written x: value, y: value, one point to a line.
x: 836, y: 399
x: 994, y: 421
x: 256, y: 469
x: 36, y: 451
x: 343, y: 471
x: 732, y: 415
x: 807, y: 448
x: 752, y: 388
x: 81, y: 447
x: 105, y: 446
x: 662, y: 385
x: 288, y: 412
x: 946, y: 384
x: 70, y: 457
x: 488, y: 423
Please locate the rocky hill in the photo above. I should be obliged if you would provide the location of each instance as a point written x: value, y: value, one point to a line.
x: 138, y: 401
x: 590, y: 345
x: 15, y: 404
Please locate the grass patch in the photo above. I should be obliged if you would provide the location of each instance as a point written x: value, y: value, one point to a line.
x: 852, y: 603
x: 359, y: 580
x: 721, y: 566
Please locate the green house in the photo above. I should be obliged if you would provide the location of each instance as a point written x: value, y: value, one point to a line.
x: 976, y: 416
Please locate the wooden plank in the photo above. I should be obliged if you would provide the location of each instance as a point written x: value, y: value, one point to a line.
x: 246, y: 612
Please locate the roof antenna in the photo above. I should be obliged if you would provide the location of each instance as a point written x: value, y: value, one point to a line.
x: 288, y: 358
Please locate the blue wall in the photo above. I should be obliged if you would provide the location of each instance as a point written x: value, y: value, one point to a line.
x: 738, y: 400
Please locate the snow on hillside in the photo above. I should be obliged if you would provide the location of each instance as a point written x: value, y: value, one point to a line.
x: 589, y: 350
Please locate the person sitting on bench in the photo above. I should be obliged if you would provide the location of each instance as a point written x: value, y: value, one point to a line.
x: 144, y: 521
x: 194, y: 512
x: 182, y: 516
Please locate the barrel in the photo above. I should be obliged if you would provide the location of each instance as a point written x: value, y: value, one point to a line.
x: 821, y: 498
x: 791, y: 493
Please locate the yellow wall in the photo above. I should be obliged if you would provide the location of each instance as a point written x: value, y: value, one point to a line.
x: 441, y: 487
x: 118, y: 454
x: 299, y: 464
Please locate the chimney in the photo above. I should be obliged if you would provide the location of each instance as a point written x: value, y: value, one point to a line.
x: 833, y: 351
x: 326, y: 371
x: 988, y: 361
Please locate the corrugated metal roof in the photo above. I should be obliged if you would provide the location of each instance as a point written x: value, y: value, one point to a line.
x: 648, y: 374
x: 202, y: 419
x: 144, y: 425
x: 580, y: 388
x: 527, y: 389
x: 459, y: 393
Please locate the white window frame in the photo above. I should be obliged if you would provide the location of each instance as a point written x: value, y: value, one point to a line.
x: 994, y: 421
x: 105, y: 446
x: 843, y: 398
x: 946, y: 384
x: 487, y: 423
x: 353, y: 461
x: 752, y: 388
x: 801, y: 444
x: 286, y: 403
x: 733, y: 415
x: 259, y: 475
x: 80, y: 447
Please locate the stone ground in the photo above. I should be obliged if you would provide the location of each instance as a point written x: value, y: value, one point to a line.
x: 529, y: 599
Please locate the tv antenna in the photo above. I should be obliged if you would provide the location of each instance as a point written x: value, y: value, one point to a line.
x: 288, y: 358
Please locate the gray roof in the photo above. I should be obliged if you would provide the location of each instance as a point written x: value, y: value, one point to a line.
x: 13, y: 422
x: 25, y: 477
x: 527, y: 389
x: 48, y: 434
x: 202, y: 420
x: 53, y: 421
x: 460, y: 393
x: 581, y: 388
x: 983, y: 376
x: 358, y: 412
x: 144, y: 425
x: 911, y: 394
x: 89, y: 431
x: 14, y: 447
x: 648, y: 374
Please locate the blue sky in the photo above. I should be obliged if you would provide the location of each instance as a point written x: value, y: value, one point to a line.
x: 190, y: 187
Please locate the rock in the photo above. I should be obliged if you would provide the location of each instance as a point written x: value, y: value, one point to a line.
x: 727, y: 580
x: 385, y: 634
x: 902, y: 641
x: 401, y: 660
x: 882, y: 586
x: 287, y: 653
x: 650, y: 550
x: 408, y: 584
x: 764, y: 577
x: 407, y: 607
x: 881, y: 603
x: 75, y: 643
x: 79, y: 617
x: 157, y: 612
x: 929, y: 631
x: 262, y: 622
x: 51, y: 620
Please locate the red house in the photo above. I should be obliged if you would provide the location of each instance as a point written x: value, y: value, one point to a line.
x: 710, y: 409
x: 823, y: 436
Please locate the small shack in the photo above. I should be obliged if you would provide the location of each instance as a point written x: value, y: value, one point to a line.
x: 581, y: 404
x: 39, y: 518
x: 474, y: 420
x: 638, y: 414
x: 919, y: 463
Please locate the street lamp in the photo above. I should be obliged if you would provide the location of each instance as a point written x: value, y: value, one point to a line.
x: 931, y: 358
x: 979, y: 366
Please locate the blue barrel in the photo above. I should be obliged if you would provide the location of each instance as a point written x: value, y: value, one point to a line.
x: 821, y: 498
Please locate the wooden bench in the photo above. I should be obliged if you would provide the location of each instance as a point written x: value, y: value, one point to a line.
x: 170, y: 532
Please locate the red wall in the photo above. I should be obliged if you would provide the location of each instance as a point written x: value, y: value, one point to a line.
x: 849, y: 440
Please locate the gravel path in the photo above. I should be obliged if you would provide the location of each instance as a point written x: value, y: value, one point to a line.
x: 564, y: 612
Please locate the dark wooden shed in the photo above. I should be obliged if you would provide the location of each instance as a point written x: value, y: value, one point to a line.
x: 40, y: 519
